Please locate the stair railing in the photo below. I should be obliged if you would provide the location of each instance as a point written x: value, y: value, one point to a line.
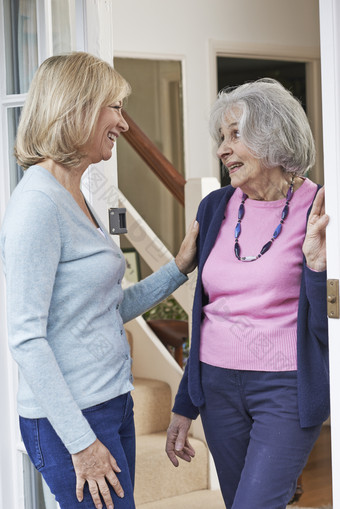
x: 144, y: 240
x: 154, y: 158
x: 175, y: 183
x: 151, y: 248
x: 153, y: 251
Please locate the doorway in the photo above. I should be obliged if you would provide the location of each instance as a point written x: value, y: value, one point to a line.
x: 155, y: 104
x: 232, y: 72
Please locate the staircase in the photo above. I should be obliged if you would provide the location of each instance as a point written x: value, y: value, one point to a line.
x: 159, y: 485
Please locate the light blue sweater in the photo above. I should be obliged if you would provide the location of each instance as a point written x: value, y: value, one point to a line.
x: 66, y: 306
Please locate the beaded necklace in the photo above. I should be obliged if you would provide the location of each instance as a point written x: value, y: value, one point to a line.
x: 267, y: 246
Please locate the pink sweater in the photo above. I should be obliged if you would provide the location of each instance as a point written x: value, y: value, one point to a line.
x: 250, y: 321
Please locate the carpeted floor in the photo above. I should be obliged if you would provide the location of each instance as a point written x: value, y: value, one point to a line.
x: 297, y: 507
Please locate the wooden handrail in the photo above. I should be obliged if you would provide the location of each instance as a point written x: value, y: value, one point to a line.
x: 154, y: 158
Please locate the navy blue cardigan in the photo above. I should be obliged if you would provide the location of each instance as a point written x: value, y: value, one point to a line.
x: 312, y: 327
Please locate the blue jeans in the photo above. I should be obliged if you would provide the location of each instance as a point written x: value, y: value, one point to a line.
x: 251, y: 424
x: 113, y: 424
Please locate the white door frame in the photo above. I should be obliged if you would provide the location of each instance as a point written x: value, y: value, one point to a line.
x: 330, y: 74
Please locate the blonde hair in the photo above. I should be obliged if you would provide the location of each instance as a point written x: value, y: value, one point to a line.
x: 62, y: 107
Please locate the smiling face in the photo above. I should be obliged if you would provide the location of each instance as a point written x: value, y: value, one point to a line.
x: 243, y: 167
x: 109, y: 125
x: 245, y: 170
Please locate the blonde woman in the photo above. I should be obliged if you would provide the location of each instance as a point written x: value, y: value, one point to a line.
x: 66, y: 306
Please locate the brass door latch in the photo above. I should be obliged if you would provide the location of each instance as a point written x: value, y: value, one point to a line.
x: 333, y: 298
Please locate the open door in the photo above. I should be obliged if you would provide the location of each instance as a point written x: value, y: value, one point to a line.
x: 330, y: 73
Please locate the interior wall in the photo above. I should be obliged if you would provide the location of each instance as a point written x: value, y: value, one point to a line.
x: 185, y: 28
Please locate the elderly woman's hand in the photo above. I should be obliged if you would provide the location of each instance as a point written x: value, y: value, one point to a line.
x: 96, y: 465
x: 186, y: 257
x: 177, y: 443
x: 314, y: 246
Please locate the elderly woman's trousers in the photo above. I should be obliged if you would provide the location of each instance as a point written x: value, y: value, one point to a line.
x: 113, y: 424
x: 251, y: 424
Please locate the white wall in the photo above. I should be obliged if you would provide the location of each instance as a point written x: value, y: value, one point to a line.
x: 185, y: 29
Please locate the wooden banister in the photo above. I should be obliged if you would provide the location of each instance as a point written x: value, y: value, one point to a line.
x: 154, y: 158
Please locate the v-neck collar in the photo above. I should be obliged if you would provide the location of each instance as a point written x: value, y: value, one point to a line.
x: 71, y: 198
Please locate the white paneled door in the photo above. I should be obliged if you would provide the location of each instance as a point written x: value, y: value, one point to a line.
x: 330, y: 70
x: 30, y: 31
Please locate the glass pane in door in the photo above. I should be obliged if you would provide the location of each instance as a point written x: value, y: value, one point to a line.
x: 64, y: 26
x: 21, y: 44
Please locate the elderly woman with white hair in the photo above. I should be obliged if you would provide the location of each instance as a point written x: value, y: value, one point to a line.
x: 258, y: 366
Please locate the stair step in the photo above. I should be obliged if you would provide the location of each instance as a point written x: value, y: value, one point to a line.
x: 195, y: 500
x: 152, y: 405
x: 157, y: 478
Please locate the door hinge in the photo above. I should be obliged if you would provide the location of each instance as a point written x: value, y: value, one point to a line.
x: 333, y: 298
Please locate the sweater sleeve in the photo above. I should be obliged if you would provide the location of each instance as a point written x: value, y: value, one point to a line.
x: 316, y: 292
x: 183, y: 404
x: 152, y: 290
x: 31, y: 249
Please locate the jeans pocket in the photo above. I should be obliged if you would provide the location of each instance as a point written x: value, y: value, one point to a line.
x: 30, y: 436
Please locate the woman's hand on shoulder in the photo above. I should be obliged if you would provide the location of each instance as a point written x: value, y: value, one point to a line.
x: 314, y: 246
x: 96, y: 465
x: 186, y: 257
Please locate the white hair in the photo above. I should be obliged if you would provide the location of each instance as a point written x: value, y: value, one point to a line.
x: 271, y: 122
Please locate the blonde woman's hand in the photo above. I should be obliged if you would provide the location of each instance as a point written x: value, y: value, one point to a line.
x: 186, y: 257
x: 96, y: 466
x: 314, y: 246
